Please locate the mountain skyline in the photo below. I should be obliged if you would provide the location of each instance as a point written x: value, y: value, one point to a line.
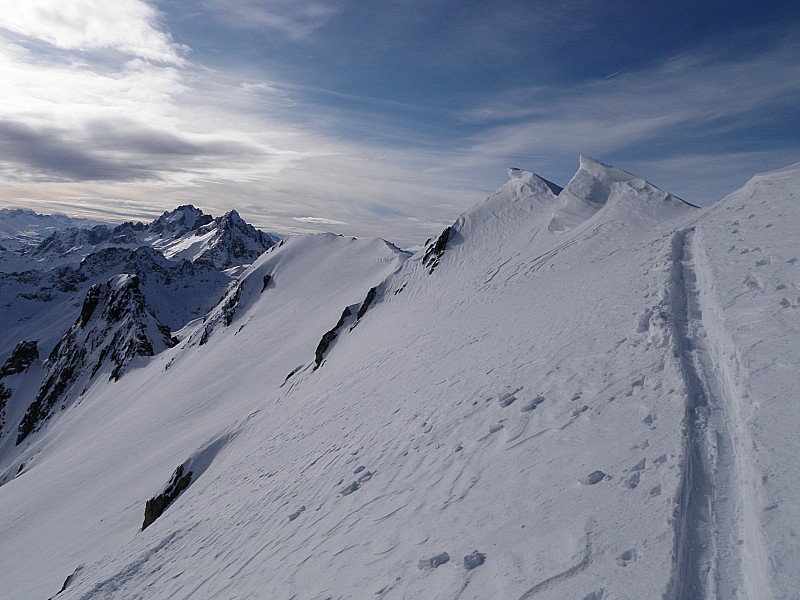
x: 383, y: 121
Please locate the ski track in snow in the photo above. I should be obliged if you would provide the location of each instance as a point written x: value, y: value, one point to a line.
x: 717, y: 502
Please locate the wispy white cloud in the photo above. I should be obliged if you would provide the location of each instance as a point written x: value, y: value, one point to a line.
x: 691, y: 97
x: 129, y: 26
x: 319, y: 220
x: 295, y: 18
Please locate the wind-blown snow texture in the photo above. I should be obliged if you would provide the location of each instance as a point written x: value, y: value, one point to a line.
x: 581, y: 393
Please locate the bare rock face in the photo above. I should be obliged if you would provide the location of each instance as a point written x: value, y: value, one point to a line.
x: 328, y: 337
x: 156, y: 506
x: 23, y: 356
x: 114, y: 327
x: 435, y: 251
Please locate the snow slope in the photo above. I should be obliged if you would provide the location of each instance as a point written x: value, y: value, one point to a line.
x: 583, y: 393
x: 745, y: 253
x: 150, y: 418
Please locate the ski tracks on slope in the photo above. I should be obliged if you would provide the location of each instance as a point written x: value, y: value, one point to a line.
x: 718, y: 540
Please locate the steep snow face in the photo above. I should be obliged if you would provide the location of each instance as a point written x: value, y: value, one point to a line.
x: 524, y: 201
x: 272, y: 331
x: 503, y: 415
x: 586, y: 193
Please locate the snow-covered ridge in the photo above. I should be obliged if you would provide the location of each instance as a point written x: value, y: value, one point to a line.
x: 513, y: 412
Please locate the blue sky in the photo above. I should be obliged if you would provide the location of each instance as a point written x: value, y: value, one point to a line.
x: 383, y: 118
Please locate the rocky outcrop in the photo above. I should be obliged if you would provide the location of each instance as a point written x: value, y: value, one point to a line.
x: 328, y: 337
x: 366, y: 304
x: 156, y: 506
x: 23, y: 356
x: 434, y: 252
x: 5, y: 395
x: 114, y: 327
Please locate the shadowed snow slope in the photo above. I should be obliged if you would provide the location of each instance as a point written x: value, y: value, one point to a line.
x: 509, y: 418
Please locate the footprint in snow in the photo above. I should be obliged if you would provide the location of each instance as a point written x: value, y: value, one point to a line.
x: 632, y: 480
x: 474, y: 560
x: 626, y: 557
x: 356, y: 485
x: 753, y: 282
x: 506, y: 399
x: 593, y: 478
x: 532, y: 404
x: 644, y: 321
x: 434, y: 561
x: 580, y: 410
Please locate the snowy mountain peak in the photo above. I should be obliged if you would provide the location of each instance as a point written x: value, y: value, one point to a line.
x: 601, y: 170
x: 225, y: 242
x: 182, y: 219
x: 586, y: 193
x: 233, y: 217
x: 592, y: 182
x: 533, y: 180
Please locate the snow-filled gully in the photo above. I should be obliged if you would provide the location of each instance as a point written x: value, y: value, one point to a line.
x: 717, y: 500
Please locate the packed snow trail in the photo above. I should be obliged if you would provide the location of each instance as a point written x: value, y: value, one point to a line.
x: 716, y: 505
x: 692, y: 535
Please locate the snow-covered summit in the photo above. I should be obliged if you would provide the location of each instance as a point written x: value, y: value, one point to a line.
x: 224, y: 242
x: 522, y: 202
x: 586, y: 192
x: 529, y: 211
x: 181, y: 220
